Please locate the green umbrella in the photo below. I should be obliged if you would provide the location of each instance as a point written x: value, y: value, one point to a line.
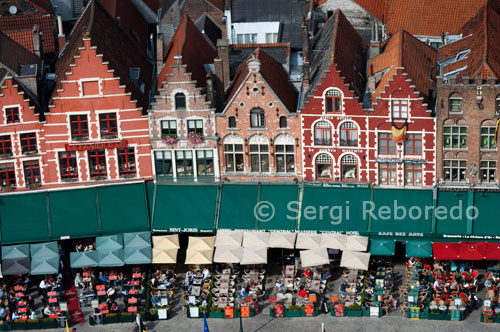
x: 41, y: 266
x: 110, y: 257
x: 13, y: 266
x: 44, y: 250
x: 83, y: 259
x: 379, y: 247
x: 137, y: 240
x: 108, y: 243
x: 16, y: 251
x: 421, y: 249
x: 138, y: 256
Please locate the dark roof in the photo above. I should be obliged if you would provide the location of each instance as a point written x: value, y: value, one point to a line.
x: 13, y: 55
x: 113, y: 43
x: 195, y: 50
x: 273, y: 73
x: 43, y: 5
x: 208, y: 27
x: 288, y: 12
x: 15, y: 23
x: 26, y: 7
x: 481, y: 35
x: 240, y: 52
x: 339, y: 42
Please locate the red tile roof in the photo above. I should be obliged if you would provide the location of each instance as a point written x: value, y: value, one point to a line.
x: 23, y: 38
x: 114, y: 44
x: 482, y: 35
x: 219, y: 4
x: 415, y: 57
x: 273, y: 73
x: 431, y: 17
x: 378, y: 8
x: 195, y: 50
x: 13, y: 55
x: 9, y: 24
x: 43, y: 5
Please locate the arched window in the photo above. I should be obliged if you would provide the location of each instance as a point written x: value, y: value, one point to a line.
x: 257, y: 118
x: 348, y: 134
x: 284, y: 152
x: 283, y: 123
x: 333, y: 101
x: 232, y: 122
x: 233, y: 152
x: 259, y: 154
x: 324, y: 166
x: 323, y: 133
x: 349, y: 165
x: 180, y: 101
x: 455, y: 103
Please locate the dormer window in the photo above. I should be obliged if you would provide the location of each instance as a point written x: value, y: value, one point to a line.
x: 180, y: 101
x: 12, y: 114
x: 283, y: 123
x: 399, y: 109
x: 257, y: 118
x: 455, y: 103
x: 232, y: 122
x: 333, y: 101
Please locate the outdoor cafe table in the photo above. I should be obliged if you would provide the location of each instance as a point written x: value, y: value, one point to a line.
x: 223, y: 291
x: 254, y: 276
x: 225, y: 278
x: 196, y: 290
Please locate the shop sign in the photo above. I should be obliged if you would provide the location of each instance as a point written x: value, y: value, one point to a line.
x: 374, y: 311
x: 339, y: 185
x: 96, y: 145
x: 312, y: 298
x: 189, y: 230
x: 339, y: 310
x: 309, y: 310
x: 245, y: 311
x: 273, y: 298
x: 401, y: 234
x: 471, y: 237
x: 335, y: 298
x: 278, y: 310
x: 229, y: 311
x: 400, y: 160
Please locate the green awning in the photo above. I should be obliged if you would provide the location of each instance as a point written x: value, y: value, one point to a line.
x: 23, y: 218
x: 41, y: 266
x: 380, y: 247
x: 150, y: 191
x: 410, y: 212
x: 185, y: 208
x: 16, y: 251
x: 137, y: 240
x: 83, y: 259
x: 110, y: 258
x: 132, y: 214
x: 486, y: 223
x: 454, y: 203
x: 279, y: 217
x: 44, y: 250
x: 421, y: 249
x: 237, y: 206
x: 137, y: 256
x: 345, y: 205
x: 110, y: 242
x: 73, y: 213
x: 13, y: 266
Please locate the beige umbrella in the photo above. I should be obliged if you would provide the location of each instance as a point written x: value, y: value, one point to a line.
x: 228, y: 238
x: 356, y: 243
x: 355, y: 260
x: 255, y: 239
x: 164, y: 256
x: 199, y: 257
x: 333, y: 241
x: 314, y: 257
x: 253, y: 256
x: 201, y: 243
x: 282, y: 240
x: 308, y: 241
x: 166, y: 242
x: 228, y: 254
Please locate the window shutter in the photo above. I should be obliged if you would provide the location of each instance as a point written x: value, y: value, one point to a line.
x: 77, y: 7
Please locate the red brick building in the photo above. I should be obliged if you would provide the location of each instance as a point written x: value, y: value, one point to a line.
x: 259, y: 127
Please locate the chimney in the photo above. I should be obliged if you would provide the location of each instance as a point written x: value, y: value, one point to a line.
x: 219, y: 83
x: 223, y: 54
x: 159, y: 51
x: 36, y: 41
x: 306, y: 78
x: 305, y: 39
x: 210, y: 89
x: 61, y: 38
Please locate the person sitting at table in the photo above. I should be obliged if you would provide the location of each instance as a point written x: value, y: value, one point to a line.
x: 142, y: 291
x: 170, y: 279
x: 359, y: 288
x: 118, y: 280
x: 412, y: 261
x: 326, y: 276
x: 43, y: 286
x: 217, y: 269
x: 189, y: 276
x: 343, y: 288
x: 303, y: 292
x: 46, y: 311
x: 79, y: 281
x: 260, y: 286
x: 110, y: 293
x: 3, y: 312
x: 243, y: 291
x: 307, y: 273
x: 437, y: 268
x: 206, y: 274
x: 436, y: 285
x: 279, y: 285
x: 155, y: 300
x: 2, y: 291
x: 15, y: 315
x: 114, y: 308
x: 32, y: 314
x: 104, y: 279
x: 90, y: 290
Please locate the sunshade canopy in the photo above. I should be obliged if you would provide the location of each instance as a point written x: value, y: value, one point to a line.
x: 14, y: 266
x: 16, y: 251
x: 355, y: 260
x: 307, y: 241
x: 493, y: 251
x: 474, y: 251
x: 284, y: 240
x: 228, y: 238
x: 166, y: 242
x: 47, y: 265
x: 421, y: 249
x: 382, y: 247
x: 83, y: 259
x: 445, y: 250
x: 108, y: 243
x: 199, y: 257
x: 314, y: 257
x: 255, y: 239
x: 333, y: 241
x: 137, y: 255
x: 164, y: 256
x: 197, y: 243
x: 110, y: 258
x: 228, y: 254
x: 251, y: 256
x: 356, y: 243
x: 137, y: 240
x: 44, y: 250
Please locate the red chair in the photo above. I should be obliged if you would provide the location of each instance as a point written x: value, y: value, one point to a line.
x: 136, y: 275
x: 53, y: 300
x: 52, y: 293
x: 18, y: 288
x: 23, y: 309
x: 132, y: 309
x: 100, y: 287
x: 133, y: 291
x: 22, y: 303
x: 104, y: 311
x: 103, y: 306
x: 101, y: 292
x: 132, y: 300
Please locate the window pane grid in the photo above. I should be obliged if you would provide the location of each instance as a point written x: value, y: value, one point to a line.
x: 5, y: 145
x: 108, y: 124
x: 387, y: 173
x: 454, y: 170
x: 126, y: 161
x: 12, y: 114
x: 234, y: 157
x: 455, y: 137
x: 79, y: 126
x: 31, y: 172
x: 413, y: 144
x: 7, y: 175
x: 68, y: 165
x: 97, y: 163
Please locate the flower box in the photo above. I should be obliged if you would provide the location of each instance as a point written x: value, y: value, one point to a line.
x: 435, y: 316
x: 127, y: 317
x: 293, y: 313
x: 110, y: 319
x: 352, y: 313
x: 216, y: 314
x: 34, y: 324
x: 5, y: 327
x: 49, y: 323
x: 19, y: 324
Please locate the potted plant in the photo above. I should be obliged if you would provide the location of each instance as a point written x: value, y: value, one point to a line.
x: 354, y: 310
x: 293, y: 311
x: 49, y: 323
x: 216, y: 312
x: 110, y: 318
x: 153, y: 314
x: 169, y: 139
x: 34, y: 324
x: 195, y: 138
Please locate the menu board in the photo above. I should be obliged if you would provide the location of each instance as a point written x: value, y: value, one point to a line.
x: 273, y: 298
x: 374, y: 311
x: 245, y: 311
x: 455, y: 314
x: 249, y: 299
x: 194, y: 312
x: 339, y: 310
x: 278, y: 310
x: 335, y: 298
x: 312, y: 298
x: 229, y: 311
x: 309, y: 310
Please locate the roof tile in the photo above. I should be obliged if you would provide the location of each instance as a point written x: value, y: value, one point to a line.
x: 378, y: 8
x: 9, y: 24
